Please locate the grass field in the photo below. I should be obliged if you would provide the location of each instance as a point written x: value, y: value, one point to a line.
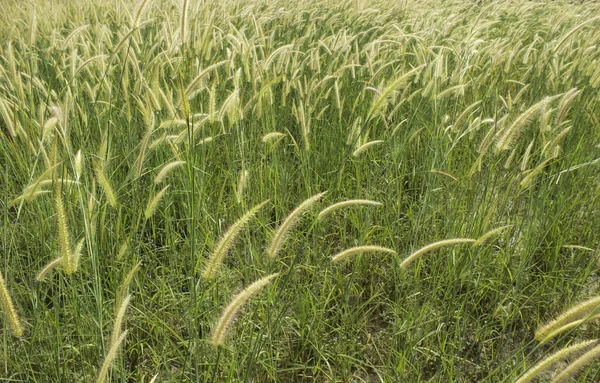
x: 299, y: 191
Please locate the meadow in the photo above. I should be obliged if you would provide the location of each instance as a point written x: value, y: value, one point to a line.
x: 299, y: 191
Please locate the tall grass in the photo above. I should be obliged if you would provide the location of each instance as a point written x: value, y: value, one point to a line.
x: 138, y: 139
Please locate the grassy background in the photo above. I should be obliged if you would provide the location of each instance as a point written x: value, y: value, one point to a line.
x: 325, y: 74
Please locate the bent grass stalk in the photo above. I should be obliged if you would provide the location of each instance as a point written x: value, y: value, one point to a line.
x: 289, y: 223
x: 434, y: 246
x: 216, y: 258
x: 360, y: 249
x: 350, y: 202
x: 234, y: 307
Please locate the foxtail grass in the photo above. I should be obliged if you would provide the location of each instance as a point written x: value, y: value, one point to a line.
x: 241, y: 185
x: 272, y: 137
x: 226, y: 241
x: 434, y: 246
x: 351, y: 202
x: 578, y: 312
x: 291, y: 220
x: 339, y: 257
x: 153, y: 203
x: 115, y: 341
x: 106, y: 186
x: 78, y: 165
x: 235, y: 306
x: 443, y: 173
x: 578, y: 247
x: 551, y: 360
x: 364, y: 147
x: 509, y: 135
x: 164, y: 172
x: 126, y: 282
x: 64, y: 246
x: 10, y: 314
x: 48, y: 268
x: 578, y: 365
x: 490, y: 234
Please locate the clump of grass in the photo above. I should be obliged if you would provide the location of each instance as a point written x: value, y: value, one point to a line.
x: 350, y: 202
x: 289, y: 223
x: 9, y: 309
x: 227, y: 240
x: 434, y: 246
x: 234, y: 307
x: 360, y: 249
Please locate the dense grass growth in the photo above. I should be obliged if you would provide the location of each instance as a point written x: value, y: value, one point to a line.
x: 164, y: 163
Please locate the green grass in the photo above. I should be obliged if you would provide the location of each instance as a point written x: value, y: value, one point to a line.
x: 438, y: 111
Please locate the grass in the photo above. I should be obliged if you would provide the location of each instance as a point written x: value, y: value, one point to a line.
x: 137, y: 139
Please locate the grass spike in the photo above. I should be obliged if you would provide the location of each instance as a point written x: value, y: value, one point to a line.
x: 578, y: 365
x: 108, y: 190
x: 289, y: 223
x: 490, y: 234
x: 48, y: 268
x: 226, y: 241
x: 579, y: 311
x: 234, y: 307
x: 551, y: 360
x: 10, y: 314
x: 360, y: 249
x: 351, y: 202
x: 434, y: 246
x: 364, y: 147
x: 153, y: 203
x: 162, y: 174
